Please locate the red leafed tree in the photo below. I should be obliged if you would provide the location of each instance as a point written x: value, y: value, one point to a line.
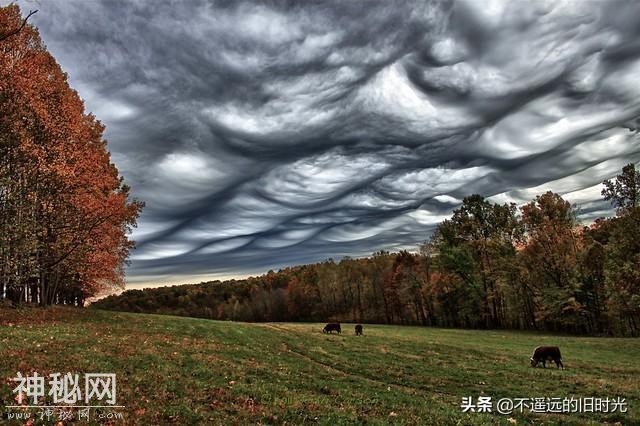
x: 65, y: 211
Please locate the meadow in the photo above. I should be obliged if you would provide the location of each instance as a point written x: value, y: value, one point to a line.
x: 192, y: 371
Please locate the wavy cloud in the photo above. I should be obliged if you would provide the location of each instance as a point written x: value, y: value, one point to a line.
x: 267, y: 134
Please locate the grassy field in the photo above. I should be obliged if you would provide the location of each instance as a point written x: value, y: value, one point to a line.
x: 189, y: 371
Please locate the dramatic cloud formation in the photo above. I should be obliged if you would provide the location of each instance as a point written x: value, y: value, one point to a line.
x: 267, y: 134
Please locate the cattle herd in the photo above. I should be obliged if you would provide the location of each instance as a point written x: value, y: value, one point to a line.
x: 335, y: 326
x: 541, y: 354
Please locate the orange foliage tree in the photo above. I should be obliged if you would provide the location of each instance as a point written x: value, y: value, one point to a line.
x: 65, y: 210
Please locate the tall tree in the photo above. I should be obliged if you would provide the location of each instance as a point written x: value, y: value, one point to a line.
x: 624, y: 190
x: 473, y: 243
x: 550, y: 258
x: 66, y: 212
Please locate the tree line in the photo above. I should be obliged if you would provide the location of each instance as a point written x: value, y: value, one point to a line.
x: 65, y: 212
x: 489, y: 265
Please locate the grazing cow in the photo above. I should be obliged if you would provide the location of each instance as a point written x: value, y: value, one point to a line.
x: 332, y: 326
x: 542, y: 354
x: 358, y: 329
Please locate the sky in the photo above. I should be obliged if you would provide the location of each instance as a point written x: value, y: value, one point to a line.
x: 267, y: 134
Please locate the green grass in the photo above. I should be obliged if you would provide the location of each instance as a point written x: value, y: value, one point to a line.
x: 190, y: 371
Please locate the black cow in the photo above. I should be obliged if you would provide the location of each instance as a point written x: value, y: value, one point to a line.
x: 332, y: 326
x: 358, y: 329
x: 542, y: 354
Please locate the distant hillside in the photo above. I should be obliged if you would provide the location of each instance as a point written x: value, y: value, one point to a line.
x: 291, y: 294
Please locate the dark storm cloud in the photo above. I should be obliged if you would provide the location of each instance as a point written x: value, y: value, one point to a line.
x: 265, y: 134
